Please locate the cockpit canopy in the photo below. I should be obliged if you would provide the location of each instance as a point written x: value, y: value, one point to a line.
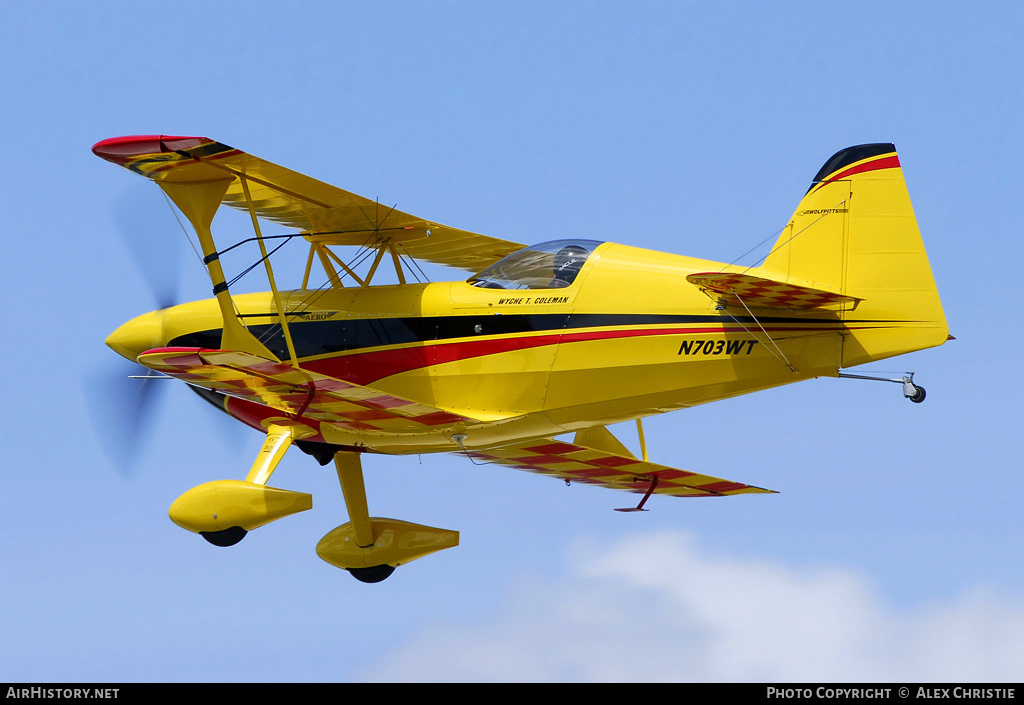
x: 549, y: 265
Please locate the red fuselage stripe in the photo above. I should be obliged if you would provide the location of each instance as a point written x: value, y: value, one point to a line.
x: 366, y: 368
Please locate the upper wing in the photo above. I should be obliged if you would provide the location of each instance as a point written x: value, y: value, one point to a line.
x: 579, y: 463
x: 323, y: 212
x: 766, y: 293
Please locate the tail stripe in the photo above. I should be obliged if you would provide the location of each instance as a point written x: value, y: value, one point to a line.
x: 850, y: 156
x: 889, y: 162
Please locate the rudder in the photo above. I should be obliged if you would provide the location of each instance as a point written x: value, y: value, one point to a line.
x: 855, y: 233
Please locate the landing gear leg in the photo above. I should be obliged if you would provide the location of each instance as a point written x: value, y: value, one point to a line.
x: 223, y: 512
x: 370, y: 548
x: 350, y: 475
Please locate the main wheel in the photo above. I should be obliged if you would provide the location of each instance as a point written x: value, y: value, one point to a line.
x: 374, y: 574
x: 918, y: 396
x: 226, y: 537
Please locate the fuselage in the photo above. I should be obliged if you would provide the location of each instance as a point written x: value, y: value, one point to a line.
x: 628, y: 338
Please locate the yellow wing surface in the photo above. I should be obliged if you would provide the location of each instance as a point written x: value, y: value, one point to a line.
x: 578, y: 463
x: 323, y: 213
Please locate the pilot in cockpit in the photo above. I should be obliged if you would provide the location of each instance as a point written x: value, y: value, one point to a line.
x: 568, y: 262
x: 549, y: 265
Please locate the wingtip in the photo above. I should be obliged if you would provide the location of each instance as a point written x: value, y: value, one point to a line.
x: 122, y: 149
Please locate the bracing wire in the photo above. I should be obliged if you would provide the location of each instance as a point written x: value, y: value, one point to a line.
x: 796, y: 235
x: 761, y: 260
x: 413, y: 260
x: 770, y: 237
x: 781, y: 355
x: 184, y: 230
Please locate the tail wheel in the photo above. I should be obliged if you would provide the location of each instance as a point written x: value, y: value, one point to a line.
x: 918, y: 396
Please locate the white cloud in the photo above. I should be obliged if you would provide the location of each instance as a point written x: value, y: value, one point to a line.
x: 653, y: 608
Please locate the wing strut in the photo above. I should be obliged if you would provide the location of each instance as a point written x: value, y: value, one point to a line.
x: 199, y: 201
x: 282, y: 318
x: 643, y: 443
x: 397, y: 262
x: 325, y: 258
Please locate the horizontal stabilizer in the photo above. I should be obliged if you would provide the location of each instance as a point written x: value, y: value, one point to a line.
x: 758, y: 292
x: 576, y: 463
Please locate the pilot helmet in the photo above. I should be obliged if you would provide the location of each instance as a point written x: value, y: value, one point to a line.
x: 568, y: 262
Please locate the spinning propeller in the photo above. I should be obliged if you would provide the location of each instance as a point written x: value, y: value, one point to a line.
x: 124, y: 396
x: 153, y: 238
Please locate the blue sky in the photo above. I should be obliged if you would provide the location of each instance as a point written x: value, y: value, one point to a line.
x: 893, y: 551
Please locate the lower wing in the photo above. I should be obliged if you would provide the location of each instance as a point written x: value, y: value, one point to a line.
x: 573, y: 462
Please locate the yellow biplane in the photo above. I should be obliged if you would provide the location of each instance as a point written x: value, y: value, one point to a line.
x: 567, y: 336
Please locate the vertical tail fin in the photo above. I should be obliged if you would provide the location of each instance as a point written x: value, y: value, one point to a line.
x: 855, y: 233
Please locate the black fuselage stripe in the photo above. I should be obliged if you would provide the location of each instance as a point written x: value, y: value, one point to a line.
x: 312, y: 338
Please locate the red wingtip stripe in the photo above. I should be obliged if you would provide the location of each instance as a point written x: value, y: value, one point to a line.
x: 120, y: 150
